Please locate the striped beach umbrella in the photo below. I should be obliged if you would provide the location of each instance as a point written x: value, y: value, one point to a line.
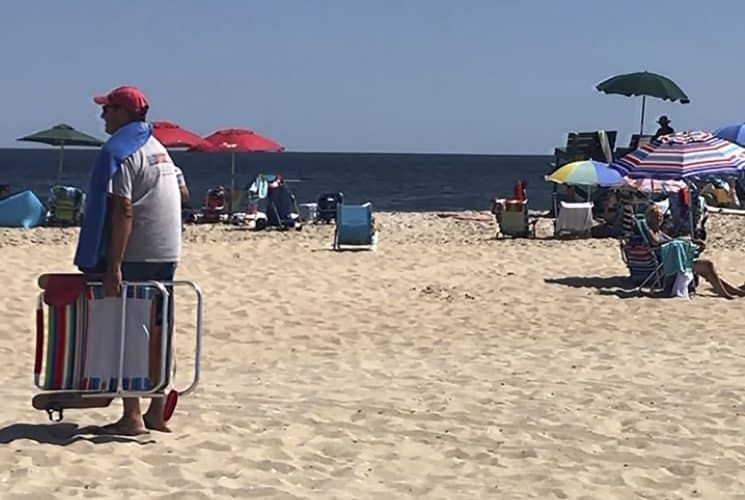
x: 683, y: 155
x: 586, y: 173
x: 649, y: 185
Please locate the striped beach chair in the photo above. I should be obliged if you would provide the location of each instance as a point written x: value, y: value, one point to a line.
x: 642, y: 261
x: 91, y: 349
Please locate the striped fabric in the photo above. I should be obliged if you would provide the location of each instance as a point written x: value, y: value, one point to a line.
x: 67, y: 335
x: 683, y: 155
x: 627, y: 218
x: 65, y: 344
x: 640, y: 261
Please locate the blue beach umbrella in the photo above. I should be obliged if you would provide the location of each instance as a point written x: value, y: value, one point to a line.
x: 732, y: 133
x: 586, y: 173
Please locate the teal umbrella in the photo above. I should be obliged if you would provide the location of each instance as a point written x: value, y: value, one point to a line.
x: 62, y: 135
x: 644, y: 84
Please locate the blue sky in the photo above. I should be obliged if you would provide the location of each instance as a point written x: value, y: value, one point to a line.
x: 476, y: 76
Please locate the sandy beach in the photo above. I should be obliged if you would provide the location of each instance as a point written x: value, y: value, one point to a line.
x: 446, y: 364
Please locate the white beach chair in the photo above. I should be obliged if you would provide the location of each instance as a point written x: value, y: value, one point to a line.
x: 574, y: 219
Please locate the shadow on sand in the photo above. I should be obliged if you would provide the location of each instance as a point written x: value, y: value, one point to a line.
x: 64, y: 434
x: 620, y: 286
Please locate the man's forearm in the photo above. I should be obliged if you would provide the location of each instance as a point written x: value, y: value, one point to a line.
x: 121, y: 228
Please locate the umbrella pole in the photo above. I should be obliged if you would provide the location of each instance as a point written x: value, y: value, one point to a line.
x: 692, y: 193
x: 61, y: 159
x: 232, y: 181
x: 641, y: 125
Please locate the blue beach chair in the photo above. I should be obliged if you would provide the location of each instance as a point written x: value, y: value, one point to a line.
x: 354, y: 226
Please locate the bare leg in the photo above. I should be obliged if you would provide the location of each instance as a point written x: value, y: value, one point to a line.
x: 154, y: 416
x: 153, y: 419
x: 131, y: 423
x: 734, y: 290
x: 705, y: 269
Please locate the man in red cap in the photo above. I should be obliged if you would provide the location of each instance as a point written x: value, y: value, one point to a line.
x: 144, y: 227
x: 126, y: 104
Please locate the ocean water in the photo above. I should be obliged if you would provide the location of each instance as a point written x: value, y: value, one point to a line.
x: 392, y: 182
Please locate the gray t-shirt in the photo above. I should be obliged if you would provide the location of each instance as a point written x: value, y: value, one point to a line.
x: 148, y: 179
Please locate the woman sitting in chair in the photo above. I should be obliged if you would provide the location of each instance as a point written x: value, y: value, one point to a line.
x: 701, y: 267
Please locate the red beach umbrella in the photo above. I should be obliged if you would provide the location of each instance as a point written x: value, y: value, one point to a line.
x: 236, y: 140
x: 173, y: 136
x: 242, y: 141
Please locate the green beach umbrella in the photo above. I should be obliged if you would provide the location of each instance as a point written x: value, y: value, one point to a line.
x: 62, y: 135
x: 644, y: 84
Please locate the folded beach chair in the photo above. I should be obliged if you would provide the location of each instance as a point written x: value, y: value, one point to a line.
x: 354, y: 226
x: 91, y: 349
x: 513, y: 219
x: 574, y: 219
x: 65, y: 206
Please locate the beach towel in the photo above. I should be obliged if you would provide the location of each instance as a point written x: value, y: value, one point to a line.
x: 259, y: 188
x: 677, y: 257
x: 122, y: 144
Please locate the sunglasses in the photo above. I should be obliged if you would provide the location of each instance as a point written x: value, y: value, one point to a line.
x: 108, y: 107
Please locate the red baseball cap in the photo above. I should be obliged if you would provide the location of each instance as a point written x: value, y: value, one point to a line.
x: 127, y: 97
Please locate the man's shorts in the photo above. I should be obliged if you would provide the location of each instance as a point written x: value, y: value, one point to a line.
x: 146, y: 271
x: 142, y: 271
x: 152, y: 271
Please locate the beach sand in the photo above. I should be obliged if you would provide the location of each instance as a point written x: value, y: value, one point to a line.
x: 446, y: 364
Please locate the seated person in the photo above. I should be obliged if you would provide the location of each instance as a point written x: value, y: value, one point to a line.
x: 655, y: 234
x: 701, y: 267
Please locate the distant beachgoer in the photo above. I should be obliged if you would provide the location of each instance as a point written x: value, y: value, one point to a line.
x: 140, y: 199
x: 520, y: 190
x: 4, y: 190
x: 701, y: 267
x: 665, y: 127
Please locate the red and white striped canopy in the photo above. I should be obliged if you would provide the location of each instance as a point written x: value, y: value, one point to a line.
x: 683, y: 155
